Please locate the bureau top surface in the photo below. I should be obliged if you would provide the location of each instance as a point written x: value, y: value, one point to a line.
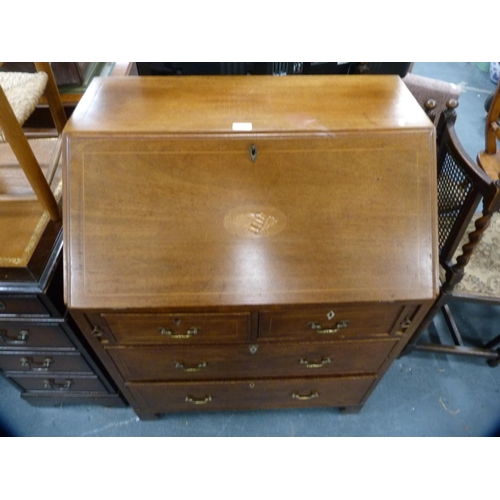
x: 166, y: 206
x: 228, y: 104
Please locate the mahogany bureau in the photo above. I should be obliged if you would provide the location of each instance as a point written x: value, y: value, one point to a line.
x: 248, y: 242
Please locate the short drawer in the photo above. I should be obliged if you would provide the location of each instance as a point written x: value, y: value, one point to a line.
x: 27, y: 335
x: 330, y: 322
x: 33, y: 361
x: 178, y: 328
x: 251, y: 394
x: 60, y: 383
x: 243, y: 361
x: 22, y: 304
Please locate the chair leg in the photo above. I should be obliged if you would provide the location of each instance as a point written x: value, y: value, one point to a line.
x: 458, y: 349
x: 413, y: 342
x: 452, y: 326
x: 486, y: 351
x: 53, y: 97
x: 492, y: 344
x: 495, y: 362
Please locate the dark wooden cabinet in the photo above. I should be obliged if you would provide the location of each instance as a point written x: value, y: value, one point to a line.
x: 42, y: 352
x: 249, y: 242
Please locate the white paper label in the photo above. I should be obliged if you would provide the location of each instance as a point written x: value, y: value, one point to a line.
x: 242, y: 126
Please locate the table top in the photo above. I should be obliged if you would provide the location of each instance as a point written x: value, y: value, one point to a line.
x: 324, y: 191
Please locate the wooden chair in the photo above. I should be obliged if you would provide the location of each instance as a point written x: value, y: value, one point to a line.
x: 489, y: 159
x: 20, y: 93
x: 431, y: 94
x: 468, y: 271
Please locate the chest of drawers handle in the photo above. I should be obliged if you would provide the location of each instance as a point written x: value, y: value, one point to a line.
x: 55, y: 386
x: 405, y: 324
x: 190, y: 332
x: 99, y: 335
x: 201, y: 401
x: 190, y: 369
x: 327, y: 331
x: 22, y: 338
x: 31, y: 364
x: 315, y: 364
x: 300, y: 397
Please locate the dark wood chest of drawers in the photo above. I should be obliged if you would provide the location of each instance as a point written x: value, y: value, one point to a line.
x: 248, y: 242
x: 41, y: 351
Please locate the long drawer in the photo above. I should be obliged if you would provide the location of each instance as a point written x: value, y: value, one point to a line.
x: 331, y: 322
x: 14, y: 334
x: 251, y: 394
x: 205, y: 362
x: 130, y: 329
x: 48, y: 362
x: 58, y: 383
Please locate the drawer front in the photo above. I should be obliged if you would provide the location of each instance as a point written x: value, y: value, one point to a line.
x: 251, y: 394
x: 58, y: 384
x: 328, y: 323
x: 178, y: 328
x: 22, y: 304
x: 27, y: 335
x: 243, y: 361
x: 31, y: 361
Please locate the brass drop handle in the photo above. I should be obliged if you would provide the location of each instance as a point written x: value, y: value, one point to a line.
x: 405, y: 324
x: 328, y: 331
x: 21, y: 338
x: 98, y: 334
x: 196, y: 401
x: 191, y: 331
x: 306, y: 397
x: 315, y: 364
x: 53, y: 385
x: 39, y: 365
x: 190, y: 369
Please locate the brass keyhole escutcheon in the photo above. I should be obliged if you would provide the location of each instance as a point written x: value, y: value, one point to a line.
x: 253, y: 152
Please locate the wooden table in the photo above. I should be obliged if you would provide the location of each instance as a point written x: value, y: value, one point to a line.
x: 249, y: 242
